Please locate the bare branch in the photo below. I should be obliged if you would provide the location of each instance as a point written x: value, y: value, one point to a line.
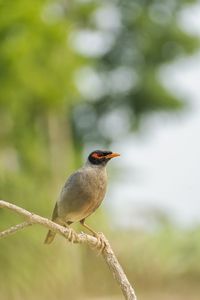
x: 14, y: 229
x: 92, y: 241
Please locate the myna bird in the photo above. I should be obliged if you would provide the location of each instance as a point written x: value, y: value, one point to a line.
x: 82, y: 193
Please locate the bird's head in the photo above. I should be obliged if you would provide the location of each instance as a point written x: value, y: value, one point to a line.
x: 101, y: 157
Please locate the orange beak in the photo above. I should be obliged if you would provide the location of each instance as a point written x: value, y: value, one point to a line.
x: 114, y: 154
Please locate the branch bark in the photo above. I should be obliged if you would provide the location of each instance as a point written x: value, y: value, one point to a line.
x: 14, y: 229
x: 83, y: 238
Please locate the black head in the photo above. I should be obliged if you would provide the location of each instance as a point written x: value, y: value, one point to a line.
x: 101, y: 157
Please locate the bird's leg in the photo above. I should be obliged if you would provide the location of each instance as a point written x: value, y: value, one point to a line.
x: 88, y: 228
x: 72, y: 235
x: 101, y: 242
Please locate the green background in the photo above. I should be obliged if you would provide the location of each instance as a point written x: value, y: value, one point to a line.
x: 46, y: 123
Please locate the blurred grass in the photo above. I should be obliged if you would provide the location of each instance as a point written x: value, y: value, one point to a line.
x: 163, y: 263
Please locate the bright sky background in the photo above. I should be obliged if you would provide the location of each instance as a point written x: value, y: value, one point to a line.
x: 161, y: 169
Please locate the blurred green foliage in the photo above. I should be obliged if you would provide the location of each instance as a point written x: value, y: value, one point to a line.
x: 67, y: 68
x: 142, y: 36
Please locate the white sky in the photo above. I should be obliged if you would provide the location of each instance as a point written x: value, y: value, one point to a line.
x: 162, y: 169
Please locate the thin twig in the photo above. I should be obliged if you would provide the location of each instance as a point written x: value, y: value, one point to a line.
x: 92, y: 241
x: 14, y: 229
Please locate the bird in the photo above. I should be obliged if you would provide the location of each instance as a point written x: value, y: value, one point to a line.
x: 82, y: 193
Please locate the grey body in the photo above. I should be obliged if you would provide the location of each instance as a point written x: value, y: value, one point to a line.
x: 80, y: 196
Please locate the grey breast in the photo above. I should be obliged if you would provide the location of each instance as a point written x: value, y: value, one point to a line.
x: 82, y: 193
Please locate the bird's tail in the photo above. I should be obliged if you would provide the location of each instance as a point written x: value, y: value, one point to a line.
x: 50, y: 237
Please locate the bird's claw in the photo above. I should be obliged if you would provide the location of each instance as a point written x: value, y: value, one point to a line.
x: 101, y: 242
x: 72, y: 235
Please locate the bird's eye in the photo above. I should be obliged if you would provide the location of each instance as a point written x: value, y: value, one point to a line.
x: 96, y: 155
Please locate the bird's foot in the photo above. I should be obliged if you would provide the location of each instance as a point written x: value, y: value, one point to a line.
x: 101, y: 242
x: 72, y: 235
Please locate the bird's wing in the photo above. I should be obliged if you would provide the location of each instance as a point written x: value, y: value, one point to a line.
x: 82, y: 194
x: 76, y: 193
x: 73, y: 178
x: 75, y: 187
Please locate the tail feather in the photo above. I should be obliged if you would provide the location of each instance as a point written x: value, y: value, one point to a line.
x: 50, y: 237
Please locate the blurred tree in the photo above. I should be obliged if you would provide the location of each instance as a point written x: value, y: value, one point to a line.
x: 134, y: 39
x: 36, y: 76
x: 111, y: 50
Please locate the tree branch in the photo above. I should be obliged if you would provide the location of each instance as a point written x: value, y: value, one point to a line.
x: 92, y: 241
x: 14, y: 229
